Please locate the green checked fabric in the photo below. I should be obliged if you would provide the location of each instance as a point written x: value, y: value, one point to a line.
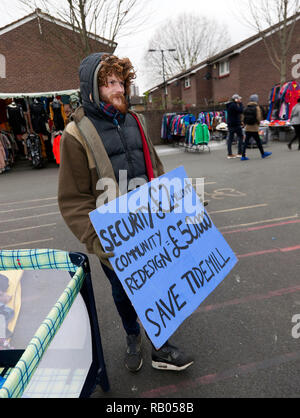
x: 18, y: 377
x: 35, y: 260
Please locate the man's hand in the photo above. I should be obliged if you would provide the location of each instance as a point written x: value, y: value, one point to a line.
x: 98, y: 250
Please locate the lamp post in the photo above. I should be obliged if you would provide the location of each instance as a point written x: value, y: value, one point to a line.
x: 162, y: 51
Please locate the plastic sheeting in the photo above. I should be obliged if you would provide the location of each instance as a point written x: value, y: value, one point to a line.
x: 38, y: 94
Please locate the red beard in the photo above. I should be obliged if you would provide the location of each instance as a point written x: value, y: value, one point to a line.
x: 121, y: 105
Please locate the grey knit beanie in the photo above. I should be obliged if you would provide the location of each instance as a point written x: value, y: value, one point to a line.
x: 254, y: 98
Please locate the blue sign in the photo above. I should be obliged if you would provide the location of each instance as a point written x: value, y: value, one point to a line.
x: 168, y: 254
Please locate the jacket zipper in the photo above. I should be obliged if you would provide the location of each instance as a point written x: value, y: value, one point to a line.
x: 125, y: 147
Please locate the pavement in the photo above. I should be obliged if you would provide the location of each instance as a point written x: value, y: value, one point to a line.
x: 244, y: 336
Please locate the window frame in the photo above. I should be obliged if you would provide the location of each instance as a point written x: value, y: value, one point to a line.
x: 187, y: 82
x: 224, y: 68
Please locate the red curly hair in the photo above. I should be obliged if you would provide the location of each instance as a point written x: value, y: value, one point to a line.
x: 120, y: 67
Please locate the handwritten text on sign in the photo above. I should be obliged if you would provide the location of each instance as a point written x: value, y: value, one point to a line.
x: 169, y: 256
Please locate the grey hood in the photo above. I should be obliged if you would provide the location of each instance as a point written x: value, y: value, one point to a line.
x: 88, y: 71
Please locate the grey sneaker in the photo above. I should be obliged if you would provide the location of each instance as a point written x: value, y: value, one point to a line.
x: 133, y: 358
x: 168, y: 357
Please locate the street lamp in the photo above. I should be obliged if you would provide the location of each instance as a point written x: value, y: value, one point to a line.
x: 163, y: 69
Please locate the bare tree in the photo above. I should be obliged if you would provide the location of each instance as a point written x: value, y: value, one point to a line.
x: 193, y: 37
x: 282, y: 16
x: 109, y: 19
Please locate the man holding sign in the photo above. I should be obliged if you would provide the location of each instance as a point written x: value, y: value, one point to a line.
x: 106, y: 152
x: 168, y: 254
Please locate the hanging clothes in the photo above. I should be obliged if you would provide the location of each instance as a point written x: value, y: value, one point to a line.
x: 57, y: 115
x: 175, y: 124
x: 39, y: 117
x: 274, y: 100
x: 3, y: 112
x: 212, y: 119
x: 56, y: 147
x: 2, y: 158
x: 8, y: 149
x: 16, y: 118
x: 282, y: 101
x: 292, y: 95
x: 197, y: 134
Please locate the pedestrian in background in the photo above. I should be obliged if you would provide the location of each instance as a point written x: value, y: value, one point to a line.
x: 234, y: 120
x: 295, y: 121
x: 252, y: 118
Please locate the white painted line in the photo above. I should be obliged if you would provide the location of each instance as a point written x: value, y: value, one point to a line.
x: 29, y: 217
x: 170, y: 151
x: 237, y: 209
x: 27, y: 228
x: 27, y: 201
x: 31, y: 207
x: 18, y: 244
x: 259, y: 222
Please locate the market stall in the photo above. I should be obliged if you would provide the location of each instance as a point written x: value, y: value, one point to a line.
x: 282, y: 101
x: 29, y: 123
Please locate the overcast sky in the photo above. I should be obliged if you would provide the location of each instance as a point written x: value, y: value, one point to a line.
x: 134, y: 46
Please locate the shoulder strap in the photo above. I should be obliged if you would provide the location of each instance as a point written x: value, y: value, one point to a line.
x: 96, y: 146
x: 85, y: 132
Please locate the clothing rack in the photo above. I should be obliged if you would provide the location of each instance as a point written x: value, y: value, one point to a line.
x: 197, y: 137
x: 282, y: 100
x: 8, y: 148
x: 212, y: 119
x: 39, y: 114
x: 174, y: 125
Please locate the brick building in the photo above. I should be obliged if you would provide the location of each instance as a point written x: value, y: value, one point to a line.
x: 244, y: 68
x: 39, y: 53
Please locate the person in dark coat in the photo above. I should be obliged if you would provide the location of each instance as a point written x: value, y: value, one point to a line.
x: 234, y: 120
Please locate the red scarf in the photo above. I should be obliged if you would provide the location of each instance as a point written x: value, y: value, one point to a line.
x: 146, y: 151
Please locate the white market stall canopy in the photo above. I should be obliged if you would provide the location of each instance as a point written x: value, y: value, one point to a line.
x: 38, y: 94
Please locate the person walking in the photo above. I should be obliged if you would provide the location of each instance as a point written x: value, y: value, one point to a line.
x: 295, y: 121
x: 234, y: 121
x: 252, y: 118
x: 103, y: 139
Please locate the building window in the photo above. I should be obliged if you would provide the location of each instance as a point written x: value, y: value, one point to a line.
x: 2, y: 66
x: 224, y: 68
x: 187, y: 82
x: 150, y: 98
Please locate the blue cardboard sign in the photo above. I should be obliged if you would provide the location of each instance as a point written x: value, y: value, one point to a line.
x: 168, y: 254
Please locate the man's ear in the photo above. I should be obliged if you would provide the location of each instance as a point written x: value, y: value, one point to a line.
x: 91, y: 97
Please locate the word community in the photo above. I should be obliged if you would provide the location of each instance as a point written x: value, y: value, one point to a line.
x: 181, y: 236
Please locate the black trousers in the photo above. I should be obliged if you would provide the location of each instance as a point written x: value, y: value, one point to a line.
x: 257, y: 139
x: 123, y: 303
x: 297, y: 134
x: 239, y: 132
x: 124, y: 306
